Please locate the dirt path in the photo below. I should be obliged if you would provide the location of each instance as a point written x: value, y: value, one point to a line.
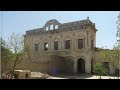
x: 39, y: 74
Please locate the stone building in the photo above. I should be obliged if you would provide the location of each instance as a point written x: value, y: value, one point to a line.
x: 62, y: 47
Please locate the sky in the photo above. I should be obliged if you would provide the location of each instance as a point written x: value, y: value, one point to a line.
x: 21, y: 21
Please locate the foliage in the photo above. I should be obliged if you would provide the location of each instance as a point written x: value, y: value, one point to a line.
x: 99, y: 69
x: 27, y: 52
x: 117, y: 45
x: 112, y: 56
x: 118, y: 27
x: 6, y: 54
x: 16, y: 45
x: 13, y: 52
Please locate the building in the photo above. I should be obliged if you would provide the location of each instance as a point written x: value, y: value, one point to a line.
x: 22, y: 74
x: 63, y: 47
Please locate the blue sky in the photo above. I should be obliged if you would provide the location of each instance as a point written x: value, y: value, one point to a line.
x: 21, y: 21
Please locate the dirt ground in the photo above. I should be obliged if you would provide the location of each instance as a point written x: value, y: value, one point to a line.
x: 38, y: 75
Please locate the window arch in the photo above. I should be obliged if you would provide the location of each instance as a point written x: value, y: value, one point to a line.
x: 56, y: 26
x: 47, y: 28
x: 80, y: 43
x: 51, y: 27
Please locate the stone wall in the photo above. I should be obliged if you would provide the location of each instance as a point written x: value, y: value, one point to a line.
x: 64, y: 60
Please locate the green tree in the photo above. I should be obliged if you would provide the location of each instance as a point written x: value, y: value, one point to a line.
x: 6, y: 55
x: 17, y: 46
x: 117, y: 46
x: 118, y: 28
x: 112, y: 56
x: 99, y: 69
x: 102, y: 54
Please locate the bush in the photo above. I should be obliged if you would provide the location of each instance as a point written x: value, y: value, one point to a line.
x: 99, y: 69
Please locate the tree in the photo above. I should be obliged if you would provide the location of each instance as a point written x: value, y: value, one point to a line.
x: 118, y: 29
x: 99, y: 69
x: 6, y: 55
x: 112, y: 56
x: 102, y: 54
x: 117, y: 46
x: 17, y: 47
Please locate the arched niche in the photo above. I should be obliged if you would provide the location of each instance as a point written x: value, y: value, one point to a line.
x: 52, y: 24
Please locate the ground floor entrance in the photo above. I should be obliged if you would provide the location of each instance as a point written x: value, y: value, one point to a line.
x: 81, y: 66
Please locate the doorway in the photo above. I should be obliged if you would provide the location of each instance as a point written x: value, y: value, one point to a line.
x: 81, y: 65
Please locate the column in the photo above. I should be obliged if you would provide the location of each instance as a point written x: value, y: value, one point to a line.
x: 88, y: 65
x: 75, y: 66
x: 73, y: 44
x: 87, y: 38
x: 49, y: 27
x: 61, y: 42
x: 49, y: 43
x: 53, y: 27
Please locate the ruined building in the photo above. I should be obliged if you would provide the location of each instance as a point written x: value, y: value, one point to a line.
x: 62, y: 47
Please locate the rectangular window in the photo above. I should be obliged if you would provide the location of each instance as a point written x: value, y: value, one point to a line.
x: 56, y: 45
x: 36, y: 47
x: 45, y: 46
x: 80, y: 43
x: 67, y: 44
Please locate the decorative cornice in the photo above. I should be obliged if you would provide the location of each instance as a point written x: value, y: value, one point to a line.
x: 71, y: 26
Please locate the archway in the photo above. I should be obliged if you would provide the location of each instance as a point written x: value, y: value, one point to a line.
x: 81, y: 65
x: 69, y: 65
x: 26, y: 75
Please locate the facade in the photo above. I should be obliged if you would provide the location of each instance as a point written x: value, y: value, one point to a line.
x: 62, y: 47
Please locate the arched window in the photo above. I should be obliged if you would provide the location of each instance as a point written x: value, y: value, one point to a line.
x: 36, y: 46
x: 67, y: 44
x: 56, y: 45
x: 47, y: 28
x: 80, y: 43
x: 51, y: 27
x: 56, y: 26
x: 26, y: 75
x: 45, y: 46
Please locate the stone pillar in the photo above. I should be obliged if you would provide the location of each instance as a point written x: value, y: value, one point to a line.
x: 49, y: 43
x: 49, y: 27
x: 84, y: 43
x: 88, y: 65
x: 73, y: 44
x: 42, y: 45
x: 75, y: 66
x: 61, y: 42
x: 87, y: 38
x: 53, y: 27
x: 94, y: 40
